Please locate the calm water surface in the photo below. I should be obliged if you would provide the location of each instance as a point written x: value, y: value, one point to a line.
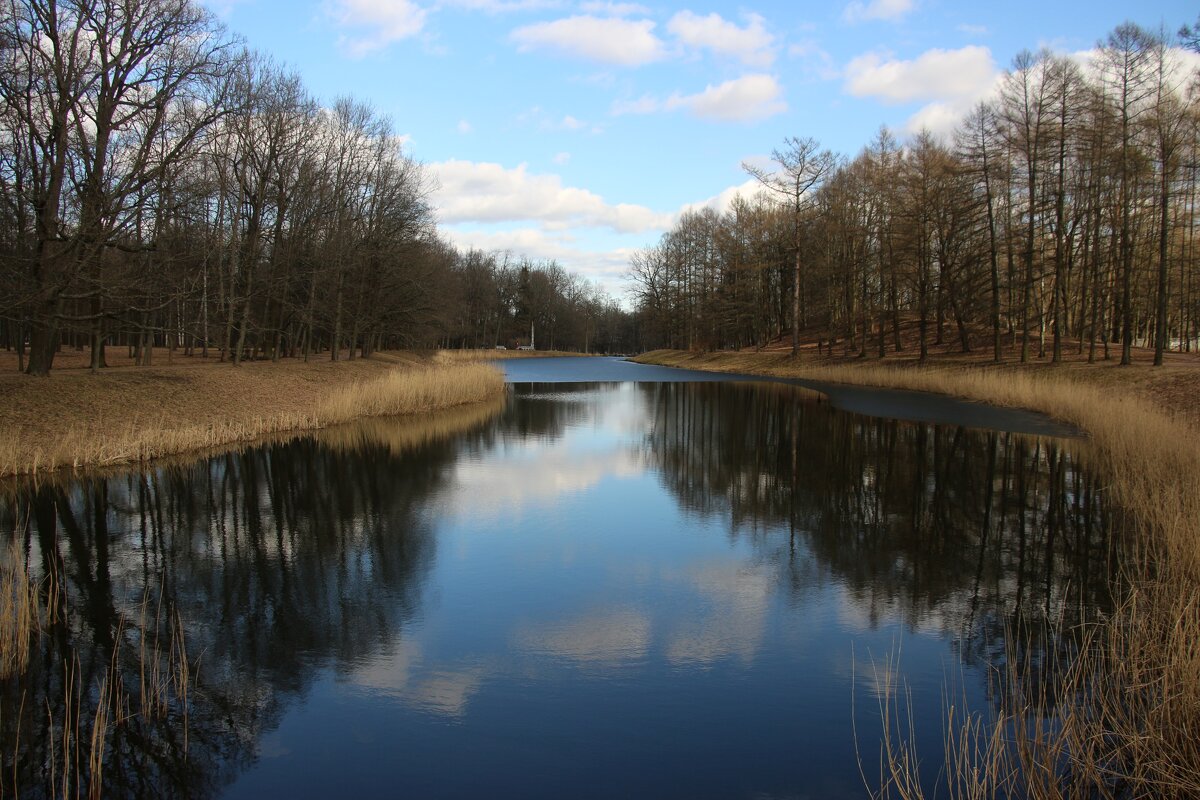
x: 608, y: 589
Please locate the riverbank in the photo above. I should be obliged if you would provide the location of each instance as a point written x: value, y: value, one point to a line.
x: 1128, y: 718
x: 76, y: 419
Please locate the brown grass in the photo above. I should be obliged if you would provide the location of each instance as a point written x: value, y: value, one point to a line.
x: 1130, y: 721
x: 484, y: 354
x: 121, y: 416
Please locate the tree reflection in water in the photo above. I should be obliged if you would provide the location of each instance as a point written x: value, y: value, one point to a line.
x: 299, y: 558
x: 999, y: 540
x: 279, y: 560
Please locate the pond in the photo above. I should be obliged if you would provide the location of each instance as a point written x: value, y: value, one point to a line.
x: 624, y: 582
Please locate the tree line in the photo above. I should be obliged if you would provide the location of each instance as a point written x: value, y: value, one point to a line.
x: 1061, y: 214
x: 163, y: 185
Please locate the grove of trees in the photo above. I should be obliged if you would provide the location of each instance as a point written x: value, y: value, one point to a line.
x: 1062, y: 215
x: 162, y: 185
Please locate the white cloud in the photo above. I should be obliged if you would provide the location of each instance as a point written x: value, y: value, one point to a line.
x: 500, y: 6
x: 646, y: 104
x: 606, y: 267
x: 859, y: 11
x: 614, y: 9
x: 464, y: 126
x: 222, y: 8
x: 751, y: 97
x: 1181, y: 63
x: 752, y: 45
x: 815, y: 60
x: 375, y: 24
x: 951, y: 82
x: 723, y: 200
x: 485, y: 192
x: 934, y: 75
x: 569, y: 123
x: 622, y: 42
x: 550, y: 122
x: 562, y: 158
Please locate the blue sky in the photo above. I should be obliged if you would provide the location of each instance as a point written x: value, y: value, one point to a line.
x: 579, y: 129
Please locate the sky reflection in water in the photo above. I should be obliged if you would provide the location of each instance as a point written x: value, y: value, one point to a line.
x: 621, y: 607
x: 617, y: 589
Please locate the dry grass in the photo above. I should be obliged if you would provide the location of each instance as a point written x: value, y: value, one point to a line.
x: 1129, y: 720
x: 401, y: 435
x: 76, y: 419
x: 484, y: 354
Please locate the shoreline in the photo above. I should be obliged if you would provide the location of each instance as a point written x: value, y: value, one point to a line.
x: 1171, y: 391
x: 1134, y: 713
x: 74, y: 420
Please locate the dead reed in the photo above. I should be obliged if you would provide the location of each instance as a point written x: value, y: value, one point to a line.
x: 85, y: 421
x: 74, y: 731
x: 468, y: 356
x: 1127, y: 723
x: 20, y: 612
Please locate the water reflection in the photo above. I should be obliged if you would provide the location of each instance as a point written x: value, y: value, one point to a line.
x: 281, y: 561
x: 609, y: 589
x: 928, y: 523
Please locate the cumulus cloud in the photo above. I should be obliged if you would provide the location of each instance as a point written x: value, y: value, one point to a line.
x: 606, y: 267
x: 487, y: 192
x: 614, y: 9
x: 723, y: 201
x: 752, y: 44
x: 950, y: 82
x: 1180, y: 63
x: 375, y: 24
x: 934, y: 75
x: 609, y: 40
x: 859, y: 11
x: 500, y: 6
x: 751, y: 97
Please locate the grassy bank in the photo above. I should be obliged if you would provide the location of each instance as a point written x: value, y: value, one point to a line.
x: 489, y: 354
x: 1131, y: 724
x: 76, y: 419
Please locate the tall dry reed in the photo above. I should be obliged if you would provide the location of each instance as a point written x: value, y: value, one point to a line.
x: 150, y: 432
x: 20, y: 612
x: 77, y: 728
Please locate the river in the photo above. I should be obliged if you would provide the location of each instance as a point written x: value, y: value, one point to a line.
x: 626, y: 582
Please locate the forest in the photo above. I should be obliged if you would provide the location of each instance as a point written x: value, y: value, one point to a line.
x: 1060, y: 217
x: 162, y: 185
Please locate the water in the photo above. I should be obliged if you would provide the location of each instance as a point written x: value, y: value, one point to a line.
x: 606, y: 589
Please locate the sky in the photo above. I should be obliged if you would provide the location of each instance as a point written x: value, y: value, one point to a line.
x: 578, y: 130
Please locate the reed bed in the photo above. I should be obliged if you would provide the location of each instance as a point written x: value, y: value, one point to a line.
x: 89, y: 421
x: 467, y: 356
x: 73, y: 732
x: 1127, y: 723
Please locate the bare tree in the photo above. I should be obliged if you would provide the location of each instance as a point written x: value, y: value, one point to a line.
x: 803, y: 167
